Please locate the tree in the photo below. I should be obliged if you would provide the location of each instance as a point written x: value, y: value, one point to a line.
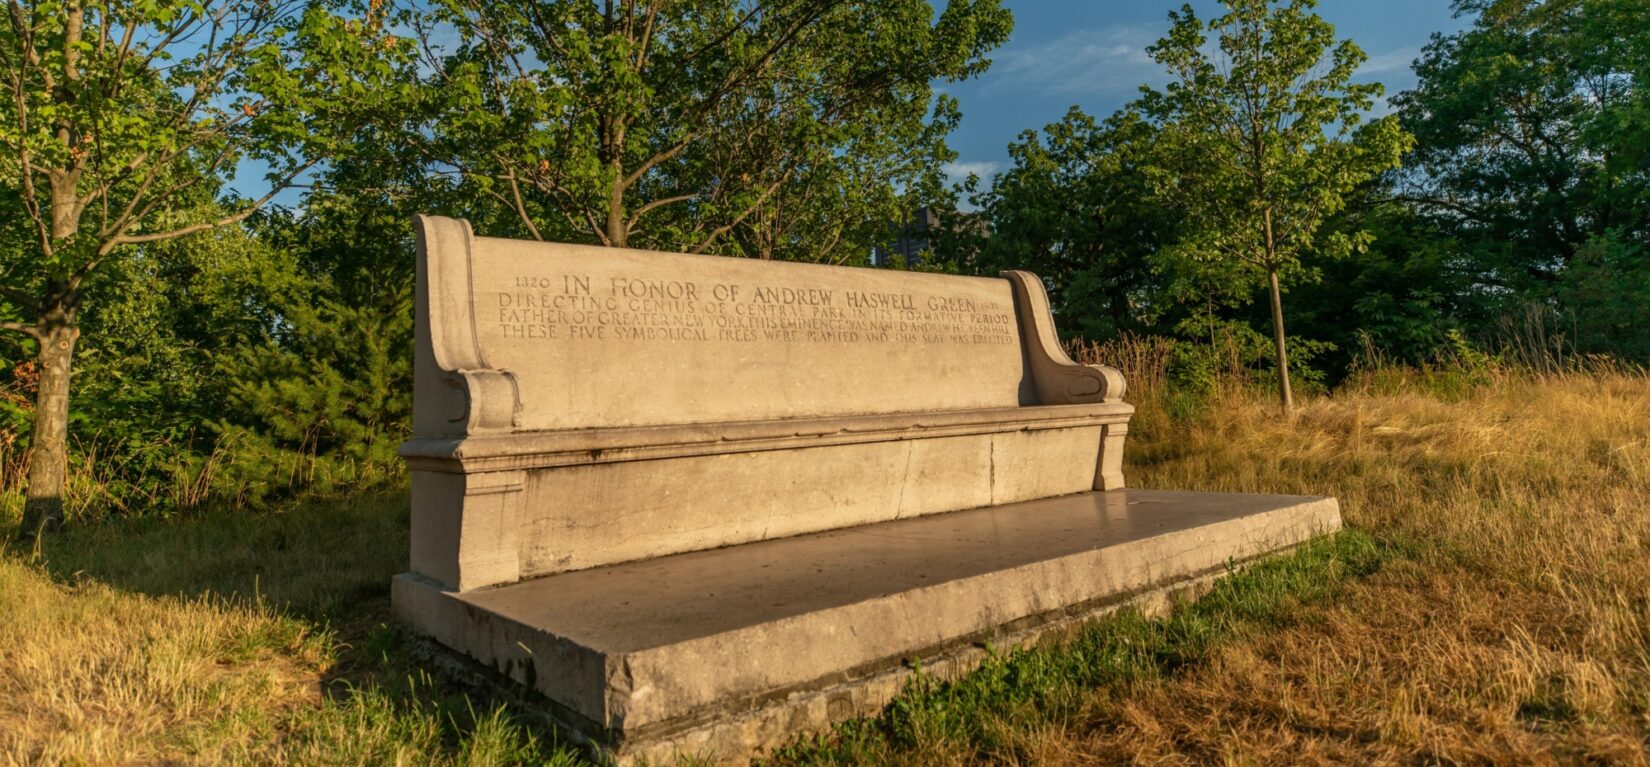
x: 1402, y: 296
x: 1531, y: 155
x: 121, y: 120
x: 1262, y: 141
x: 750, y: 126
x: 1077, y: 209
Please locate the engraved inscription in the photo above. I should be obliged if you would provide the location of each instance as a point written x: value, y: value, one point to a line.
x: 571, y: 308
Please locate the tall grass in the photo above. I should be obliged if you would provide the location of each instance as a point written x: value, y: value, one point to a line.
x: 232, y: 639
x: 1489, y: 604
x: 1493, y: 606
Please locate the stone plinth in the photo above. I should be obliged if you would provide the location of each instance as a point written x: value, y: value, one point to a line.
x: 719, y: 654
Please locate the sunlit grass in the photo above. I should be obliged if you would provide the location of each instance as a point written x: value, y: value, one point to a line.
x: 232, y: 638
x: 1490, y: 603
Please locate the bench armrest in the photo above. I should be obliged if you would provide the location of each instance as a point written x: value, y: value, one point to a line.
x: 1057, y: 379
x: 463, y: 393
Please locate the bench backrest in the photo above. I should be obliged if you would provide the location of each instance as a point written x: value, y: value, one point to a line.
x: 578, y: 406
x: 599, y: 337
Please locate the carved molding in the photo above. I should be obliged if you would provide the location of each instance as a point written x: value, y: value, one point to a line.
x: 1108, y: 472
x: 462, y: 393
x: 539, y: 450
x: 1057, y: 379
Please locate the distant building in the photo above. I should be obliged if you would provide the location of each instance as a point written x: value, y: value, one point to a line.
x: 916, y: 235
x: 911, y: 239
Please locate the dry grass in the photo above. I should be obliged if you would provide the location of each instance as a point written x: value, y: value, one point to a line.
x: 1515, y: 628
x: 1502, y: 618
x: 230, y: 639
x: 96, y: 675
x: 1491, y: 606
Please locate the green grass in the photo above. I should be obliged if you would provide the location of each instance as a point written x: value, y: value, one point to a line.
x: 1026, y: 690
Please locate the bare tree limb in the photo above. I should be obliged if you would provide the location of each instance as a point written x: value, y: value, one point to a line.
x: 725, y: 228
x: 630, y: 226
x: 234, y: 218
x: 18, y: 327
x: 111, y: 243
x: 521, y: 207
x: 653, y: 162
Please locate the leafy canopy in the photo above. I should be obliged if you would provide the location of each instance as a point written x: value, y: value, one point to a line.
x: 1263, y: 136
x: 1532, y: 157
x: 762, y: 127
x: 121, y: 116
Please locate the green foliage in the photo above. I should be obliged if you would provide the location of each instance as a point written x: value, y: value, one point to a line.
x: 1262, y: 143
x: 146, y: 378
x: 1076, y: 210
x: 1402, y: 295
x: 321, y: 394
x: 125, y: 118
x: 1266, y: 140
x: 260, y: 359
x: 216, y: 370
x: 1530, y: 127
x: 1169, y: 217
x: 779, y: 129
x: 130, y: 114
x: 332, y: 386
x: 1606, y: 288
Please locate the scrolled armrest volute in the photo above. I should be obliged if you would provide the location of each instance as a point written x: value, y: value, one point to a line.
x: 456, y: 391
x: 1056, y: 379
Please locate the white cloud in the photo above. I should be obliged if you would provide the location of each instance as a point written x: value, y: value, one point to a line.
x: 1111, y: 62
x: 957, y: 171
x: 1392, y: 62
x: 1393, y: 69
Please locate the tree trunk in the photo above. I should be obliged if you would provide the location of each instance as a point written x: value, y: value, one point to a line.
x: 618, y: 231
x: 49, y: 455
x: 1284, y: 391
x: 618, y: 235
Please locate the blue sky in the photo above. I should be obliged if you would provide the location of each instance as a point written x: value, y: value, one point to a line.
x: 1092, y: 53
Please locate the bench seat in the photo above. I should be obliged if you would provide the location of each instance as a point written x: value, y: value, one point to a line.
x: 658, y: 656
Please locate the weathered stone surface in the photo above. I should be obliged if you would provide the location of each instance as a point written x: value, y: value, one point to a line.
x: 657, y: 649
x: 846, y: 476
x: 680, y: 339
x: 705, y: 503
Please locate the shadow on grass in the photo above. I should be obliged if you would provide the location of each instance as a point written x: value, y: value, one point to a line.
x: 319, y: 561
x: 324, y: 569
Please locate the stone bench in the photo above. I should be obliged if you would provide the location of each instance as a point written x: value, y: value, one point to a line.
x: 701, y: 504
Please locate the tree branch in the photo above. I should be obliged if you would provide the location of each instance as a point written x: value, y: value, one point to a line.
x: 654, y: 161
x: 521, y: 207
x: 21, y: 298
x: 18, y: 327
x: 132, y: 239
x: 725, y: 228
x: 234, y: 218
x: 630, y: 226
